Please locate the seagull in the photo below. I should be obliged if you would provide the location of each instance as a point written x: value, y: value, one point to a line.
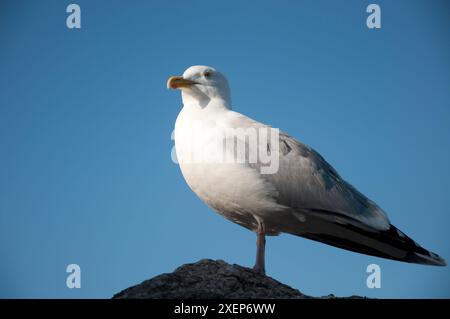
x: 302, y: 195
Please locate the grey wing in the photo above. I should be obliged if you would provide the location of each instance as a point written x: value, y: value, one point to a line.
x: 337, y: 213
x: 306, y: 182
x: 322, y: 206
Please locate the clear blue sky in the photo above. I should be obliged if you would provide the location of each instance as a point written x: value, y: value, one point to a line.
x: 86, y: 175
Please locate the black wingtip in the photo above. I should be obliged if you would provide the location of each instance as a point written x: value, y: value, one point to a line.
x: 428, y: 259
x: 352, y: 235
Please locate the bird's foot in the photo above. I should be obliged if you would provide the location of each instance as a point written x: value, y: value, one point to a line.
x: 259, y: 270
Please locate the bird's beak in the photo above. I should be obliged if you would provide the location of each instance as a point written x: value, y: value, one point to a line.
x: 176, y: 82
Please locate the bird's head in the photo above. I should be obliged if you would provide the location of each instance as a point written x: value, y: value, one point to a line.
x: 202, y: 85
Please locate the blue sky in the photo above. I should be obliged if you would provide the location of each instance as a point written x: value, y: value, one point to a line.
x: 86, y: 175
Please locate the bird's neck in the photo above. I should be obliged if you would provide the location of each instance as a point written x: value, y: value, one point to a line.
x: 216, y: 103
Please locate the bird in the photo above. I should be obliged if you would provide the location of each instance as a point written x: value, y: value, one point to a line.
x: 302, y: 195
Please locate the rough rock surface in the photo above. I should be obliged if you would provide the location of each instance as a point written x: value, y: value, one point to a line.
x: 212, y: 279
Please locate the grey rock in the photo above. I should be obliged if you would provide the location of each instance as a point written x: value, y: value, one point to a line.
x: 214, y: 279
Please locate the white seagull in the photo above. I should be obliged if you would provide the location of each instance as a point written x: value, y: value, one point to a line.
x: 304, y: 196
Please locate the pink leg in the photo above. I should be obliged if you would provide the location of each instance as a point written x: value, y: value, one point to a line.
x: 260, y: 267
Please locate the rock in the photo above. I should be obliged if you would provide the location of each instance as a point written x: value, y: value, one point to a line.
x: 212, y: 279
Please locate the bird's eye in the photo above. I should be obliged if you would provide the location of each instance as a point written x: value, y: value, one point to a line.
x: 207, y: 74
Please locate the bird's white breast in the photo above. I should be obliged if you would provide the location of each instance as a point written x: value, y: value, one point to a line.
x: 232, y: 189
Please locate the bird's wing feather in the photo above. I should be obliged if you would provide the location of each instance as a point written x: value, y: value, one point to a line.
x: 305, y: 181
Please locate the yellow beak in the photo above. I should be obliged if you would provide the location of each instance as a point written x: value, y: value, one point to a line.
x: 176, y: 82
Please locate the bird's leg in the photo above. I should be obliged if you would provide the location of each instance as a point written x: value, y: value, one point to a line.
x: 260, y: 267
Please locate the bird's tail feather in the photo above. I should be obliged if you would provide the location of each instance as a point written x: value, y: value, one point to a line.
x: 429, y: 258
x: 352, y: 235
